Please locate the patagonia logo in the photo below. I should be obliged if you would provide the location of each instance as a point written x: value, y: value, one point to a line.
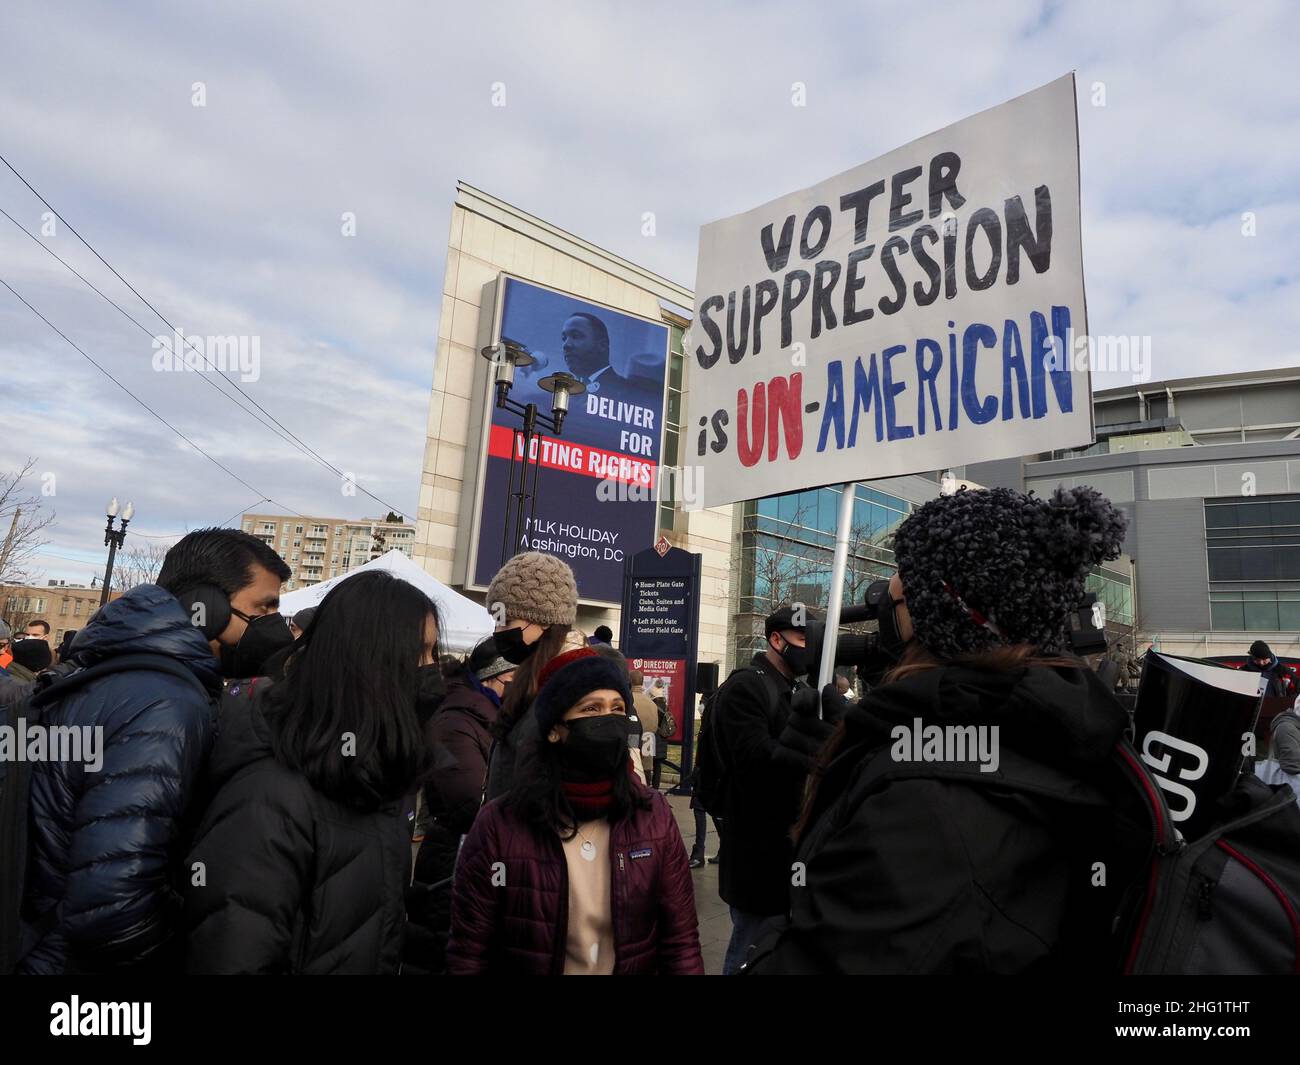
x: 640, y: 854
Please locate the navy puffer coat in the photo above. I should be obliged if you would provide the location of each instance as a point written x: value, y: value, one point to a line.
x: 100, y: 891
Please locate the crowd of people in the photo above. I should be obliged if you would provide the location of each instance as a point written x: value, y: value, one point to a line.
x: 335, y: 794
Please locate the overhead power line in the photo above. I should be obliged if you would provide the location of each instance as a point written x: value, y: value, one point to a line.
x: 145, y: 329
x: 221, y: 466
x: 287, y: 434
x: 220, y: 525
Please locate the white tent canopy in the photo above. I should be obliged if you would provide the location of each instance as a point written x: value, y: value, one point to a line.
x: 464, y: 622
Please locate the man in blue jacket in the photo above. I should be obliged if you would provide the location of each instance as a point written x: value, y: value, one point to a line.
x: 100, y: 893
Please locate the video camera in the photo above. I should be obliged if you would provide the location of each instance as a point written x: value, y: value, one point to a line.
x: 862, y: 649
x: 858, y: 649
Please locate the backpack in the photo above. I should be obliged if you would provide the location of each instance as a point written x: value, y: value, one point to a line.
x: 711, y: 783
x: 1227, y: 903
x: 666, y: 725
x: 15, y: 789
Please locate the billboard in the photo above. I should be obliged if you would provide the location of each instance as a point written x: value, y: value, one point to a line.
x: 917, y: 312
x: 595, y: 488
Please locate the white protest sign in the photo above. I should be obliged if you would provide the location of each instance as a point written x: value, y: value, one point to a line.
x: 915, y: 313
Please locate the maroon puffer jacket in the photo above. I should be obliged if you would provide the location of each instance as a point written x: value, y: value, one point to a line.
x: 519, y: 925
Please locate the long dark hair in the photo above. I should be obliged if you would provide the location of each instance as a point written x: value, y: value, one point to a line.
x: 523, y: 689
x: 538, y: 796
x: 354, y: 672
x: 917, y: 659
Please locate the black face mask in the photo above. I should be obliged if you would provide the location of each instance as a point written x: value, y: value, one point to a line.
x: 512, y: 647
x: 795, y: 659
x: 596, y: 748
x: 430, y: 690
x: 263, y: 636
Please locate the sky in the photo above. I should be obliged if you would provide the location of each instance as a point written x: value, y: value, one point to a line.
x: 231, y: 218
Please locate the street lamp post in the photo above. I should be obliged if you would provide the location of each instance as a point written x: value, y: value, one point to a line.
x: 526, y: 449
x: 113, y: 540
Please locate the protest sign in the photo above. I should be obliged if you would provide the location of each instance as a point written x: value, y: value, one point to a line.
x: 917, y: 312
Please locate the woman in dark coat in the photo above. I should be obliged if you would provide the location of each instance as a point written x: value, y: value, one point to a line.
x: 579, y: 869
x: 460, y: 736
x: 303, y: 855
x: 534, y: 599
x: 966, y: 816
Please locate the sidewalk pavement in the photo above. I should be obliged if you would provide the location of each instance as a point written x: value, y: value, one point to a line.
x: 714, y: 918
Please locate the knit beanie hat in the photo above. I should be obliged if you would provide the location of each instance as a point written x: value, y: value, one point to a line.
x: 1259, y: 649
x: 485, y: 661
x: 33, y: 654
x: 568, y: 677
x: 536, y: 587
x: 989, y: 567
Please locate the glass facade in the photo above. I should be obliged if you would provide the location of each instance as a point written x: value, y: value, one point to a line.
x: 1115, y: 590
x: 786, y: 548
x: 1253, y: 551
x: 1256, y: 611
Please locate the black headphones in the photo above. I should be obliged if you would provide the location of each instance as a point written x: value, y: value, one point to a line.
x: 208, y: 607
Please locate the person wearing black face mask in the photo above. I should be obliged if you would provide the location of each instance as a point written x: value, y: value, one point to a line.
x: 534, y: 601
x: 579, y: 869
x: 261, y: 650
x: 151, y: 675
x: 760, y: 787
x: 306, y: 842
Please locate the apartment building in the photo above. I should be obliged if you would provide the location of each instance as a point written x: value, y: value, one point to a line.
x: 65, y: 606
x: 317, y: 549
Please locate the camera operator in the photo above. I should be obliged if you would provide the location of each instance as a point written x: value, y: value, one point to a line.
x: 978, y: 852
x: 767, y: 748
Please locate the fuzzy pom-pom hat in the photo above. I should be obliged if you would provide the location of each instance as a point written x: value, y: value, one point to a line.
x: 989, y: 567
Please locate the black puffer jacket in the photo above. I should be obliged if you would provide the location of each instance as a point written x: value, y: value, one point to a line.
x: 931, y: 867
x: 294, y: 881
x: 460, y: 733
x: 100, y: 889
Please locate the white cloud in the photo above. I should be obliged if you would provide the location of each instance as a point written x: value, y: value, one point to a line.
x: 228, y: 217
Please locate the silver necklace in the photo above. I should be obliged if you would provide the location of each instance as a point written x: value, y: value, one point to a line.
x: 588, y: 849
